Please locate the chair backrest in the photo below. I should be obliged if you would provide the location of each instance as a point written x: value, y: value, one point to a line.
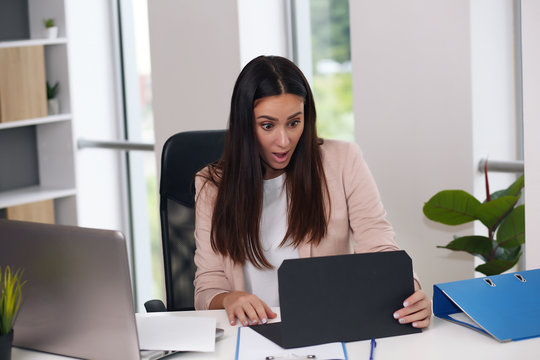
x: 184, y: 154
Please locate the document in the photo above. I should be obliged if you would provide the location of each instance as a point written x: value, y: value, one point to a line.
x: 464, y: 318
x: 158, y: 331
x: 252, y: 345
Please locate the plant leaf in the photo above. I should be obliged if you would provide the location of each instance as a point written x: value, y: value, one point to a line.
x: 10, y: 298
x: 472, y: 244
x: 492, y: 212
x: 508, y: 253
x: 512, y: 190
x: 451, y: 207
x: 511, y: 233
x: 495, y: 267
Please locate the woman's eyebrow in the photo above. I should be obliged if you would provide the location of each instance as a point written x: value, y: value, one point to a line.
x: 294, y: 115
x: 268, y: 117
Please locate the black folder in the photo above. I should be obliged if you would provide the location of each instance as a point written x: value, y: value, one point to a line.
x: 341, y: 298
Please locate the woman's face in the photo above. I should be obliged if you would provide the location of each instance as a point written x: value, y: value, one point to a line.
x: 279, y: 123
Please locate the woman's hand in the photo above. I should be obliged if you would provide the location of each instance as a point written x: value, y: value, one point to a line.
x: 245, y: 307
x: 416, y: 309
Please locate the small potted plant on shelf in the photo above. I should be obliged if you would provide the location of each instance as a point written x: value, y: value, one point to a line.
x: 501, y: 213
x: 53, y: 105
x: 51, y: 30
x: 10, y: 301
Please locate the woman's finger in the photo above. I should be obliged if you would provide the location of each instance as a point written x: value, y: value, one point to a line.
x: 416, y: 316
x: 418, y: 295
x: 422, y: 304
x: 269, y: 312
x: 231, y: 316
x: 241, y: 315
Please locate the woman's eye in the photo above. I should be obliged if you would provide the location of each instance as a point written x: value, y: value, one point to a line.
x: 294, y: 123
x: 267, y: 126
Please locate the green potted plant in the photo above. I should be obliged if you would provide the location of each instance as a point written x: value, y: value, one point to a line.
x: 51, y: 30
x: 10, y: 302
x: 500, y: 213
x: 53, y: 106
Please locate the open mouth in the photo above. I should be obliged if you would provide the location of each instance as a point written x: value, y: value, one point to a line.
x: 280, y: 157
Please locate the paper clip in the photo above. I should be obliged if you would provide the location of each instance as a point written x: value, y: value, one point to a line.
x: 290, y: 356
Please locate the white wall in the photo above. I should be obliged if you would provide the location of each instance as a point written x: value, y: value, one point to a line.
x: 411, y: 64
x: 531, y: 114
x: 434, y: 85
x: 493, y: 94
x: 263, y: 28
x: 493, y: 89
x: 195, y: 53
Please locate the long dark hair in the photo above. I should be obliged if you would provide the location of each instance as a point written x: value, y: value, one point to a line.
x: 239, y: 173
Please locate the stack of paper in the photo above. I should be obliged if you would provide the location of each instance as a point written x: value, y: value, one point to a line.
x: 176, y: 333
x: 251, y: 345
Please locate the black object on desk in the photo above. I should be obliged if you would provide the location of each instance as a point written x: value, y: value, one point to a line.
x: 341, y: 298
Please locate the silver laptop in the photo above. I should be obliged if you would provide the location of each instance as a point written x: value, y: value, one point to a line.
x: 77, y: 300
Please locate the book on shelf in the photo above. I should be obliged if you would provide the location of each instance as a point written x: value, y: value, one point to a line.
x: 40, y: 211
x: 22, y: 83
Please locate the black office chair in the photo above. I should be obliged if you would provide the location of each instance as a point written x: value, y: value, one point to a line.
x: 184, y: 154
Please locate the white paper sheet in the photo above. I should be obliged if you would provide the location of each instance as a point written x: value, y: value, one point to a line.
x: 176, y: 333
x: 252, y: 345
x: 463, y: 318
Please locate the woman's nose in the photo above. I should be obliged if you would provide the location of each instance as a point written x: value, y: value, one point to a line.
x: 283, y: 137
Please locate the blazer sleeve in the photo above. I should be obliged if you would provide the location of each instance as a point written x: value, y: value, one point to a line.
x: 370, y: 229
x: 210, y: 278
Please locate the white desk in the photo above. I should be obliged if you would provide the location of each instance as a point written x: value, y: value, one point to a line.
x: 442, y: 340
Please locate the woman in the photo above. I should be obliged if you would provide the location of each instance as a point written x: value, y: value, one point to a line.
x: 280, y: 192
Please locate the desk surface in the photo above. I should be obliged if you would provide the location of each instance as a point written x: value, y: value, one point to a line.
x: 442, y: 340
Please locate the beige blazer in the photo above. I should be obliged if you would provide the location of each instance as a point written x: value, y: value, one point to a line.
x: 356, y: 210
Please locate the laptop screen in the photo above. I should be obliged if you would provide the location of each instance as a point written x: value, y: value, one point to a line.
x: 77, y: 300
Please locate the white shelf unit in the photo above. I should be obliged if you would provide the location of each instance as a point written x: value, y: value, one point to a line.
x: 52, y: 135
x: 36, y: 121
x: 33, y: 42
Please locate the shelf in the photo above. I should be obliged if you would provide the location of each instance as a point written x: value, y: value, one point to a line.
x: 33, y: 42
x: 36, y: 121
x: 37, y: 160
x: 32, y: 194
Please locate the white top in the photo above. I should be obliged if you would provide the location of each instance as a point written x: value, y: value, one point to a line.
x: 264, y: 283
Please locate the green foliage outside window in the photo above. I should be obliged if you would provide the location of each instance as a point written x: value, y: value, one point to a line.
x: 333, y: 98
x: 332, y: 91
x: 330, y: 30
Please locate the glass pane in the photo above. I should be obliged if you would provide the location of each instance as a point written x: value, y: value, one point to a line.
x: 332, y: 78
x: 143, y: 186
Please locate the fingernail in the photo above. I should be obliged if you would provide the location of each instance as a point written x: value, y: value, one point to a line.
x: 233, y: 322
x: 414, y: 324
x: 254, y: 322
x: 245, y: 323
x: 405, y: 304
x: 401, y: 321
x: 396, y: 315
x: 264, y: 320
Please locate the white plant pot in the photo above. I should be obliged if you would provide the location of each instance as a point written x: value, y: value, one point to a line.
x: 52, y: 32
x: 53, y: 107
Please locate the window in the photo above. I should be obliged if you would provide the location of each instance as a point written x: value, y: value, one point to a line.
x: 321, y: 47
x: 139, y: 127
